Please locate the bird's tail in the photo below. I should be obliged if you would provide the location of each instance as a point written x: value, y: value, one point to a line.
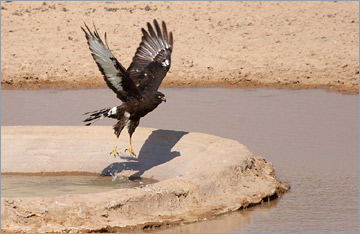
x: 97, y: 115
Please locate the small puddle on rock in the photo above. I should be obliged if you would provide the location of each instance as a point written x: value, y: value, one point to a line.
x: 25, y: 185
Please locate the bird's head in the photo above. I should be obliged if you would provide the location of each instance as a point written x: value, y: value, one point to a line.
x: 160, y: 97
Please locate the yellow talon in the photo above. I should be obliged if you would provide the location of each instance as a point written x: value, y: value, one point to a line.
x: 114, y: 151
x: 130, y: 149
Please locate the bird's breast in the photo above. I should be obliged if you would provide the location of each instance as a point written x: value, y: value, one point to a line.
x: 139, y: 108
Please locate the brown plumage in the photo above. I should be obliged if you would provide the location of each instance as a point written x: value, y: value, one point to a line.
x: 137, y: 87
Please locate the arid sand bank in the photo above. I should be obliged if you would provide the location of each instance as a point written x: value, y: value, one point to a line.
x: 231, y: 44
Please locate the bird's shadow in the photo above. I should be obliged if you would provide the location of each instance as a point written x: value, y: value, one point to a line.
x: 155, y: 151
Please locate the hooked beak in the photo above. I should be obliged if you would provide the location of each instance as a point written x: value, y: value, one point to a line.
x: 163, y: 99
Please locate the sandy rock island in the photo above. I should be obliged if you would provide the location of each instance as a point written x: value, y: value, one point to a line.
x: 199, y: 176
x: 230, y: 44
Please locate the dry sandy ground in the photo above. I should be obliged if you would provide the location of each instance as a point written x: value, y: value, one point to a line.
x: 235, y: 44
x: 199, y: 176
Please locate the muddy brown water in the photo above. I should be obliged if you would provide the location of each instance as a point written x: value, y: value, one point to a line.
x: 311, y: 137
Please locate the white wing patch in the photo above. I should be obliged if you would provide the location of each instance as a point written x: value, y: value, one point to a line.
x: 165, y: 63
x: 112, y: 111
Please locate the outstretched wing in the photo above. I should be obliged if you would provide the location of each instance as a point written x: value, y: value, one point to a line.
x: 152, y: 59
x: 114, y: 73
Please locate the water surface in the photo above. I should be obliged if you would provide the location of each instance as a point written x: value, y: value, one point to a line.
x: 311, y: 137
x: 50, y: 186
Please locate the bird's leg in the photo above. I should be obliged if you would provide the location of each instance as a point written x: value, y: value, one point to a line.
x: 118, y: 127
x: 132, y: 126
x: 130, y: 149
x: 114, y: 151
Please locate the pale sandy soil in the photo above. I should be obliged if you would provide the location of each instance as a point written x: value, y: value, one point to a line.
x: 235, y: 44
x: 200, y: 176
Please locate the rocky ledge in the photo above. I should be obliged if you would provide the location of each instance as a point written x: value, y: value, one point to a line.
x: 199, y: 176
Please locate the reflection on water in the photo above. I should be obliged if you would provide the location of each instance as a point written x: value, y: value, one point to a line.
x: 311, y: 137
x: 226, y: 223
x: 49, y: 186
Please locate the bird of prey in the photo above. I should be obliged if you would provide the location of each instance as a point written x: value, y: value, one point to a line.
x: 136, y: 87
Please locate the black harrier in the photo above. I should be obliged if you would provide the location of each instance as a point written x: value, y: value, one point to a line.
x: 136, y: 87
